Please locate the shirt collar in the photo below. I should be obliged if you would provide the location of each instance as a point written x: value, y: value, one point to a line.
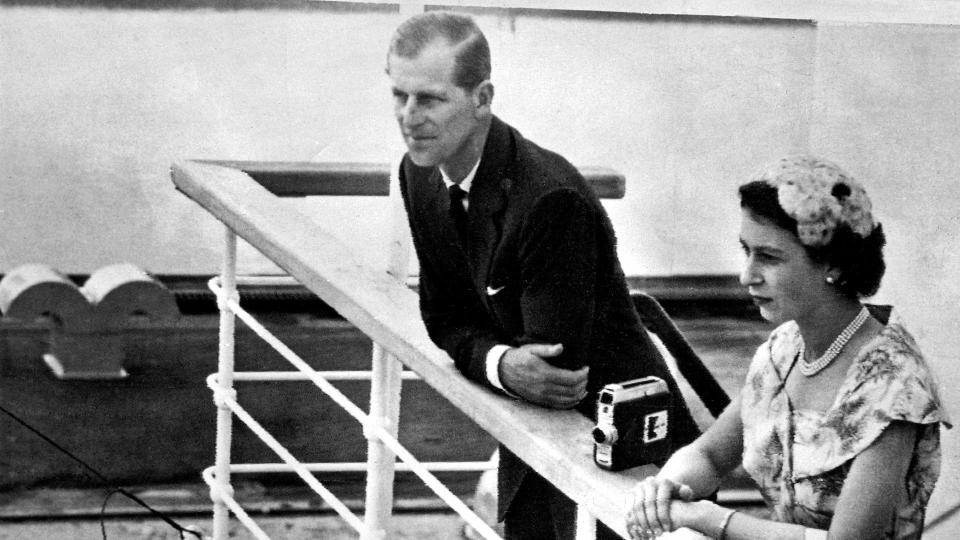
x: 466, y: 182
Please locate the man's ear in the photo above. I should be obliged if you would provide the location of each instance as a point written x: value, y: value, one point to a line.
x: 483, y: 97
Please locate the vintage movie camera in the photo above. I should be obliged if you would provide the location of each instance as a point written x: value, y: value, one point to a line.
x: 632, y: 424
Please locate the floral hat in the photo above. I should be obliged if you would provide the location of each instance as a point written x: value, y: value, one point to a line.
x: 819, y: 195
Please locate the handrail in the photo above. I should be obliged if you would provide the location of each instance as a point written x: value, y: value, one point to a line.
x: 557, y: 444
x: 306, y: 178
x: 935, y: 12
x: 704, y: 384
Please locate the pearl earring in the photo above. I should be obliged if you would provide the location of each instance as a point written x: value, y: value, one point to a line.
x: 831, y: 280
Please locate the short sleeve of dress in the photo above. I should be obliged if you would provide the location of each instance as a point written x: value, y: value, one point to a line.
x: 890, y: 381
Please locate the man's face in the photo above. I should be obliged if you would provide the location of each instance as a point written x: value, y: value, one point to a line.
x: 439, y: 121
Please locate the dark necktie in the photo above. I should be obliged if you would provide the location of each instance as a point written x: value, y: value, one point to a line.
x: 458, y: 213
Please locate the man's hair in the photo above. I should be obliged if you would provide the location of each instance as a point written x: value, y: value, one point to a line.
x: 472, y: 61
x: 860, y: 259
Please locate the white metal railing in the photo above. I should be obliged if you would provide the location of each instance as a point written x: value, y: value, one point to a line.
x: 557, y: 444
x: 376, y: 428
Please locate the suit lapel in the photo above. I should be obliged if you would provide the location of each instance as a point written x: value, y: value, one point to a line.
x: 488, y: 202
x: 435, y: 201
x: 488, y: 198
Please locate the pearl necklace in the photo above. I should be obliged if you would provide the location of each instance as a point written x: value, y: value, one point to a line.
x: 812, y: 368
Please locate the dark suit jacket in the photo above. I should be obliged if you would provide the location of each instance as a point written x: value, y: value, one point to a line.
x: 540, y: 266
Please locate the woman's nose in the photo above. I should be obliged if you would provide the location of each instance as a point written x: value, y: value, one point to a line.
x: 748, y: 275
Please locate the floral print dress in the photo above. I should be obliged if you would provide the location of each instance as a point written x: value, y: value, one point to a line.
x: 801, y: 458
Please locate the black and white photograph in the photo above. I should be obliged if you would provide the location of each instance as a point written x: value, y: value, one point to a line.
x: 479, y: 269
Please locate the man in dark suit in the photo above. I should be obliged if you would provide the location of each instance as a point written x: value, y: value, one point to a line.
x: 519, y: 278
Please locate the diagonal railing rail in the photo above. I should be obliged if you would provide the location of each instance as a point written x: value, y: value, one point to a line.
x: 557, y: 444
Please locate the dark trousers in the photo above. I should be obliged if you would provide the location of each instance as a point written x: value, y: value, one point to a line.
x: 540, y: 511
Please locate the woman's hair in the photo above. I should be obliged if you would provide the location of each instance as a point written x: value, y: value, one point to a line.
x: 829, y: 214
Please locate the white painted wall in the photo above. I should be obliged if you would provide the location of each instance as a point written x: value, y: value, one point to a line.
x: 96, y: 104
x: 886, y: 105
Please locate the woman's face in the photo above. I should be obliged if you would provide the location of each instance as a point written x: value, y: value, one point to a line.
x: 779, y: 275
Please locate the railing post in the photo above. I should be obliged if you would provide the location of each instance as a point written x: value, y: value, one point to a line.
x: 228, y: 290
x: 586, y: 524
x: 385, y: 386
x: 384, y: 410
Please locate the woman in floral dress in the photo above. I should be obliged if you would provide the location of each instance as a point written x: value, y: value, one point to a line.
x: 838, y: 421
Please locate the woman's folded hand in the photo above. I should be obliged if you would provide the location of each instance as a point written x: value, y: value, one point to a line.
x: 650, y: 513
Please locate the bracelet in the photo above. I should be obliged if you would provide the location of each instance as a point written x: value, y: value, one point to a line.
x: 723, y: 524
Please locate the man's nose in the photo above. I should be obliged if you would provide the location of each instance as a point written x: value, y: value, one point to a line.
x: 409, y: 113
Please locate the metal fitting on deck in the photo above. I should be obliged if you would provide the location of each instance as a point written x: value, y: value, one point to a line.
x: 372, y: 424
x: 220, y: 492
x: 221, y: 395
x: 377, y: 534
x: 86, y: 324
x: 224, y: 299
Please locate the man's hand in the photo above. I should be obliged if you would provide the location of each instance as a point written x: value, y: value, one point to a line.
x: 524, y: 372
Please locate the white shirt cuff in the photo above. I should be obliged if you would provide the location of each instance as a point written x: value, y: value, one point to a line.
x: 493, y: 366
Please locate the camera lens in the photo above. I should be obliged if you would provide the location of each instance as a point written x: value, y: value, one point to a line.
x: 605, y: 434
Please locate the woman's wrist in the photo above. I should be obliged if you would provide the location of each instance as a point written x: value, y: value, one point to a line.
x: 724, y: 524
x: 710, y: 519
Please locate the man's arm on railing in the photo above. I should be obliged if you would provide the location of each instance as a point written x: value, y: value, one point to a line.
x: 557, y: 444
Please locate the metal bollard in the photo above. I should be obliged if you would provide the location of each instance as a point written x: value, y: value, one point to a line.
x: 87, y: 324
